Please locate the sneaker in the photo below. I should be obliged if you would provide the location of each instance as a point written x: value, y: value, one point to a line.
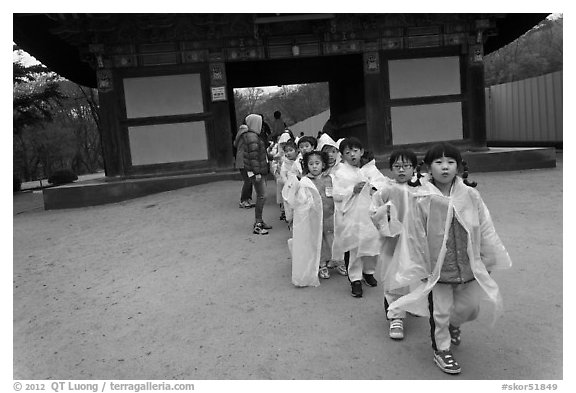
x: 246, y: 205
x: 266, y: 226
x: 396, y: 331
x: 323, y: 272
x: 370, y: 280
x: 259, y: 229
x: 356, y: 288
x: 454, y: 335
x: 445, y: 360
x: 250, y: 203
x: 341, y: 269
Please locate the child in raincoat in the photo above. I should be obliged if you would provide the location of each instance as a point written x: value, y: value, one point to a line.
x: 290, y: 173
x: 330, y: 147
x: 354, y: 231
x: 453, y: 248
x: 305, y: 145
x: 313, y: 233
x: 327, y: 145
x: 390, y: 208
x: 277, y: 153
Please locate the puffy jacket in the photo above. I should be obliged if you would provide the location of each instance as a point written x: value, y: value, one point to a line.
x: 255, y: 155
x: 239, y: 145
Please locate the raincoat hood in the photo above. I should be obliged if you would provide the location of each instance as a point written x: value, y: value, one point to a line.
x: 285, y: 137
x: 325, y: 140
x: 254, y: 123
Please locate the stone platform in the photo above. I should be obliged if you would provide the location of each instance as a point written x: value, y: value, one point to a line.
x: 110, y: 190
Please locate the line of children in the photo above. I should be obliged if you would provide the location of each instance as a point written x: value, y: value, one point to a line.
x: 434, y: 238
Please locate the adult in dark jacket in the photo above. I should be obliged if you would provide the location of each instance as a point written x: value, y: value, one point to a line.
x: 256, y: 166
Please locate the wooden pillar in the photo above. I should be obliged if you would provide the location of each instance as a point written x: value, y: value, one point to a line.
x: 110, y: 140
x: 220, y: 137
x: 378, y: 132
x: 475, y: 95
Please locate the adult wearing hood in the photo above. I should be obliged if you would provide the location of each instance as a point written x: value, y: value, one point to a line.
x: 246, y: 194
x: 256, y: 166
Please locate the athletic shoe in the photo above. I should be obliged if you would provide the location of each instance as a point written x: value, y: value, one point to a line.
x: 445, y: 360
x: 245, y: 205
x: 341, y: 269
x: 356, y: 288
x: 259, y: 229
x: 323, y: 272
x: 454, y: 335
x: 266, y: 226
x: 370, y: 280
x: 396, y: 329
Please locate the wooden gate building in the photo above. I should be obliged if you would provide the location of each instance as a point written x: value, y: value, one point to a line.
x: 166, y: 81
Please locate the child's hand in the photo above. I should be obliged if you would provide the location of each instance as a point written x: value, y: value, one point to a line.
x: 358, y: 187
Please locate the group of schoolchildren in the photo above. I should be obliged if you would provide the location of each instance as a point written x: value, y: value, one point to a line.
x: 429, y: 238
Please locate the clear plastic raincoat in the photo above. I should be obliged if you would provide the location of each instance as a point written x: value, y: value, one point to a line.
x: 289, y: 176
x: 390, y: 208
x: 353, y: 227
x: 306, y: 242
x: 418, y: 259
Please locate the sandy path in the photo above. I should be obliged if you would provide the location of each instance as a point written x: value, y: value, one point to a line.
x: 175, y: 286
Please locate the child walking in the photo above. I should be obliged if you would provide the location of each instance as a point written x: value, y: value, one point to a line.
x: 290, y: 173
x: 277, y: 153
x: 327, y: 145
x: 330, y: 147
x: 453, y: 249
x: 305, y: 144
x: 313, y: 232
x: 390, y: 209
x: 354, y: 231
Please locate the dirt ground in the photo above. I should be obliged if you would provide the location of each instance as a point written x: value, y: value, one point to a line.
x: 176, y: 286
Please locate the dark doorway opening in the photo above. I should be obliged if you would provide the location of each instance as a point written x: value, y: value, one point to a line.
x: 302, y: 107
x: 343, y: 74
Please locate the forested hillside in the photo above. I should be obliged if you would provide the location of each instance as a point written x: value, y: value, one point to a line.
x: 537, y: 52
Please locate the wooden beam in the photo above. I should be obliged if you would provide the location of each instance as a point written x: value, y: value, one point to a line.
x: 291, y: 18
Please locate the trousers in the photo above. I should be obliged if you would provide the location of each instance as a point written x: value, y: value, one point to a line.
x: 451, y: 304
x: 260, y: 188
x: 359, y: 265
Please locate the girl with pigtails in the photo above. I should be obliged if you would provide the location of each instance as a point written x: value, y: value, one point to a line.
x: 452, y: 247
